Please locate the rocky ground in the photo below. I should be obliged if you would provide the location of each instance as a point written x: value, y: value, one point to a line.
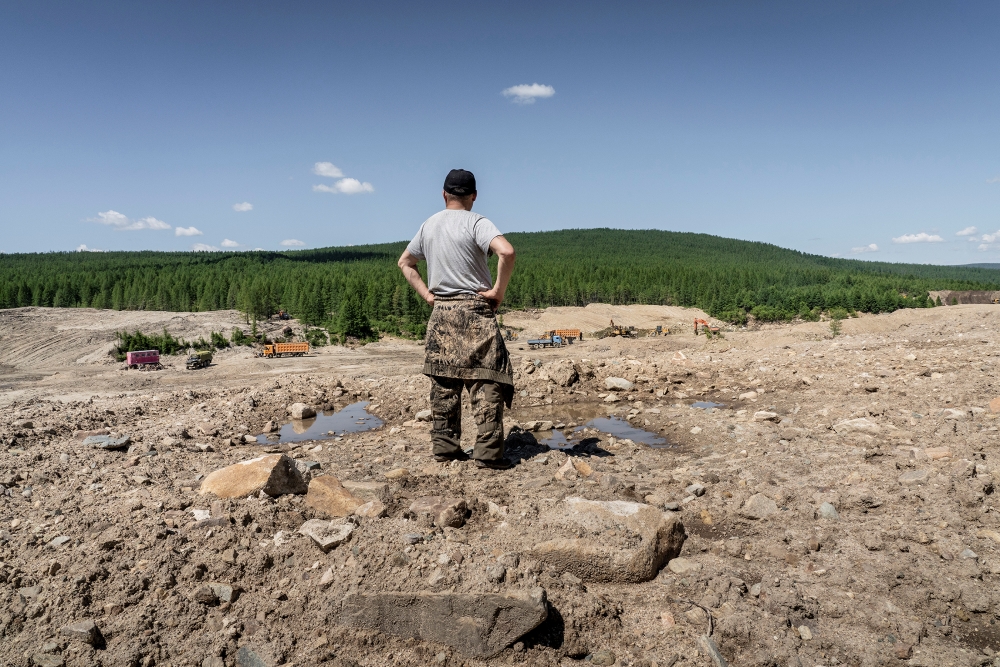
x: 838, y: 509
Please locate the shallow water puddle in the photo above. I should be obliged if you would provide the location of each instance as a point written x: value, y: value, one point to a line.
x: 614, y: 426
x: 351, y: 419
x: 707, y: 405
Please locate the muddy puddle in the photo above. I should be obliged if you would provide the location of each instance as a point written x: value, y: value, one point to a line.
x: 353, y: 418
x: 614, y: 426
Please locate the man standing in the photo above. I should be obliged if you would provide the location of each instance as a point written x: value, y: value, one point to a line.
x: 464, y: 344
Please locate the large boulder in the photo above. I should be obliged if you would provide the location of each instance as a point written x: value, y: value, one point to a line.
x: 274, y: 474
x: 368, y: 490
x: 327, y: 494
x: 564, y: 374
x: 644, y: 540
x: 618, y: 384
x: 480, y: 626
x: 301, y: 411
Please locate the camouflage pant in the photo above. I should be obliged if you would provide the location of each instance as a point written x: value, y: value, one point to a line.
x: 487, y: 407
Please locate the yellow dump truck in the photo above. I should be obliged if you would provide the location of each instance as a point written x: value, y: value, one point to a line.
x: 282, y: 349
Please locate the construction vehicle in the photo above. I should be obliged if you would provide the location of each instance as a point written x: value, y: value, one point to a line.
x: 660, y: 330
x: 282, y: 349
x: 569, y: 335
x: 621, y: 330
x: 704, y: 325
x: 550, y: 339
x: 509, y: 334
x: 283, y: 315
x: 199, y: 359
x: 146, y: 360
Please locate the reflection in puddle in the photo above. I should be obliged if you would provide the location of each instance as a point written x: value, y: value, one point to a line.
x: 352, y: 419
x: 614, y: 426
x: 707, y: 405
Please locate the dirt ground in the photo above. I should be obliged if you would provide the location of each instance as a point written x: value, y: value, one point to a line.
x: 838, y: 505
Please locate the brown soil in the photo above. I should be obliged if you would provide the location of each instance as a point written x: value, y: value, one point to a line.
x: 907, y: 574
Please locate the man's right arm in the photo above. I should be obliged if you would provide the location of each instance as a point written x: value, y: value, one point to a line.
x: 408, y: 265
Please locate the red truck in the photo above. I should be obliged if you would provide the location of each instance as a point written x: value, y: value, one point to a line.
x: 143, y: 359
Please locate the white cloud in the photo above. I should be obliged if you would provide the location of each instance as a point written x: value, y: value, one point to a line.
x: 347, y: 186
x: 227, y: 243
x: 292, y: 242
x: 968, y: 231
x: 871, y: 247
x: 528, y: 93
x: 327, y: 169
x: 187, y: 231
x: 990, y: 238
x: 995, y: 179
x: 83, y: 248
x: 922, y: 237
x: 204, y: 247
x: 245, y: 206
x: 124, y: 223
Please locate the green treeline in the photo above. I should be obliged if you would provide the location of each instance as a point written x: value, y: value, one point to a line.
x: 359, y: 288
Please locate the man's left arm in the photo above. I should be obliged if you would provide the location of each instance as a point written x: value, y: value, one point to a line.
x: 505, y: 267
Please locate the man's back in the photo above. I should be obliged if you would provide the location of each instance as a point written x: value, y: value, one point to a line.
x: 456, y: 245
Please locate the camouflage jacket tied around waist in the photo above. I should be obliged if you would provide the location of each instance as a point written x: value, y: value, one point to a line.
x: 464, y: 341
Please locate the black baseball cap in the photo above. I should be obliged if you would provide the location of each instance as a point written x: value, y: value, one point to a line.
x: 460, y: 183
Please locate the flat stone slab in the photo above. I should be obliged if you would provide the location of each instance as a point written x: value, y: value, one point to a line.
x: 326, y: 534
x: 861, y: 425
x: 645, y: 539
x: 327, y: 494
x: 108, y: 443
x: 479, y: 626
x: 911, y: 477
x: 274, y: 474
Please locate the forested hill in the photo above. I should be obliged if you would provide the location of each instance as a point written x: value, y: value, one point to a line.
x: 727, y: 278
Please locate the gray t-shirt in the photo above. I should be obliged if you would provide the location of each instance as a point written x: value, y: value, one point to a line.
x: 456, y: 245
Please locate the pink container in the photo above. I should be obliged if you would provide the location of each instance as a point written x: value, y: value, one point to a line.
x: 142, y: 357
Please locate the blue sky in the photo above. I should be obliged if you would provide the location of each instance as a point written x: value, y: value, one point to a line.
x: 832, y: 128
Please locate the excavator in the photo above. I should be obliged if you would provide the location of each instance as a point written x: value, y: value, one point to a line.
x: 704, y: 325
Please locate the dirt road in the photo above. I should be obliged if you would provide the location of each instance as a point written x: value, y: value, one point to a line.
x: 836, y: 495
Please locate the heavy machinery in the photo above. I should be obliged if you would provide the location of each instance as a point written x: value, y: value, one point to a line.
x: 621, y: 330
x: 509, y: 334
x: 199, y: 359
x: 660, y: 330
x: 704, y: 325
x: 569, y: 335
x: 146, y: 360
x: 283, y: 315
x: 550, y: 339
x: 282, y: 349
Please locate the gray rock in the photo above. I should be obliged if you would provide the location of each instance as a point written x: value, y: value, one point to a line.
x: 968, y: 553
x: 424, y: 416
x: 672, y: 506
x: 480, y: 626
x: 247, y: 657
x: 413, y: 538
x: 604, y: 558
x: 711, y: 649
x: 765, y: 416
x: 496, y: 573
x: 85, y: 631
x: 827, y: 511
x: 59, y: 541
x: 912, y: 477
x: 326, y: 534
x: 225, y: 592
x: 368, y: 490
x: 603, y: 658
x: 213, y: 661
x: 301, y: 411
x: 618, y: 384
x: 758, y: 506
x: 695, y: 490
x: 106, y: 442
x: 47, y: 660
x: 683, y: 566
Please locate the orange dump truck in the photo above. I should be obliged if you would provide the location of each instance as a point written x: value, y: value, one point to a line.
x: 570, y: 335
x: 281, y: 349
